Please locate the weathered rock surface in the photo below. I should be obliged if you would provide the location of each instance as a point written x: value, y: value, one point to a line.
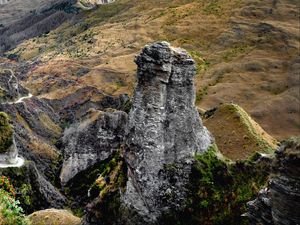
x: 164, y: 133
x: 279, y: 203
x: 74, y: 106
x: 11, y: 154
x: 93, y: 140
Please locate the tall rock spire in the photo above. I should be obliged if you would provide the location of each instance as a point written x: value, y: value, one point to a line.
x: 164, y: 133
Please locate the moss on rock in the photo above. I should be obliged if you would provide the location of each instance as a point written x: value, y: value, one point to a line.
x: 102, y: 182
x: 106, y: 205
x: 219, y: 190
x: 6, y: 133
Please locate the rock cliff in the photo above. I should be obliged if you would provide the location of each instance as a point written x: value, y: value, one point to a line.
x: 93, y: 140
x: 279, y: 203
x: 163, y: 134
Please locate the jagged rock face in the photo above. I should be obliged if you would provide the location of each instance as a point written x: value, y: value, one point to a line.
x: 279, y: 203
x: 73, y: 107
x: 164, y: 133
x: 93, y: 140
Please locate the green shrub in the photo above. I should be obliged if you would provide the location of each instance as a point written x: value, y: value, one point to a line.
x: 10, y: 211
x: 219, y: 190
x: 5, y: 185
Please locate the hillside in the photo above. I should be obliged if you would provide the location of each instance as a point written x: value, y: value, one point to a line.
x: 237, y: 135
x: 247, y: 53
x: 163, y: 112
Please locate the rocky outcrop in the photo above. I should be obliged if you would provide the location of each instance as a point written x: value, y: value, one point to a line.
x: 164, y: 133
x: 73, y: 107
x: 11, y: 154
x: 93, y: 140
x: 279, y: 203
x: 91, y: 4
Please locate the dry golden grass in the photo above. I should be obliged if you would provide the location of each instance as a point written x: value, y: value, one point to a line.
x: 48, y: 124
x: 42, y: 148
x: 53, y: 217
x: 246, y: 53
x: 237, y: 135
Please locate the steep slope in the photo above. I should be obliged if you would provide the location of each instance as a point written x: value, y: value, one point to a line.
x: 21, y: 20
x: 247, y: 53
x: 9, y: 8
x: 237, y: 135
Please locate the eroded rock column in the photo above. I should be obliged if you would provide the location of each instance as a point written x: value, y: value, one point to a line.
x: 164, y: 133
x: 279, y: 202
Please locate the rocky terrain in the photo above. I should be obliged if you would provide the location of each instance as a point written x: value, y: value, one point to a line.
x: 91, y: 141
x: 107, y: 133
x: 164, y: 130
x: 247, y: 53
x: 279, y: 202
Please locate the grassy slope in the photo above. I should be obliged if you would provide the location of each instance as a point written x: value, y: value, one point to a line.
x: 238, y: 135
x: 246, y: 51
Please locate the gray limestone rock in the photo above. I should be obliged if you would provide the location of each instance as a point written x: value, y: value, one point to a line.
x: 10, y: 156
x: 163, y: 134
x: 93, y: 140
x: 279, y: 203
